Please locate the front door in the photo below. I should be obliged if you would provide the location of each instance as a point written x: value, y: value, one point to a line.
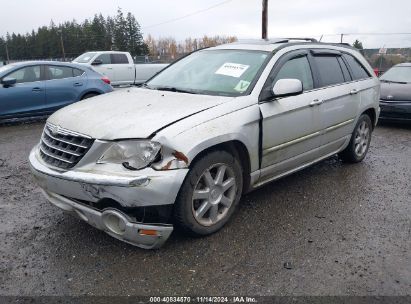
x: 291, y: 125
x: 106, y: 68
x: 27, y: 96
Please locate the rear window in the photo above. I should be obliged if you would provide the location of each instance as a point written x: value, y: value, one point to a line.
x: 119, y: 59
x: 61, y: 72
x: 77, y: 72
x: 358, y: 71
x: 329, y: 70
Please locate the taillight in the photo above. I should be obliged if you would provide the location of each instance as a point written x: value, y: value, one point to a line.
x: 106, y: 80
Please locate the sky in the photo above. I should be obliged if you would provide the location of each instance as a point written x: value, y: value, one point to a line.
x: 241, y: 18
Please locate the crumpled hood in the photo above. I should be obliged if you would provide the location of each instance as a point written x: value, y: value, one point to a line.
x: 395, y: 91
x: 131, y: 113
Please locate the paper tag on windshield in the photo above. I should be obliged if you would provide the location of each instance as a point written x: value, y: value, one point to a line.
x: 232, y: 69
x: 242, y: 86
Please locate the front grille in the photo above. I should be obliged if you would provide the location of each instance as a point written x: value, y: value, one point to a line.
x: 63, y: 148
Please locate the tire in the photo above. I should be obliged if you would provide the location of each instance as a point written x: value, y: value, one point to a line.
x: 89, y: 95
x: 208, y: 199
x: 360, y: 141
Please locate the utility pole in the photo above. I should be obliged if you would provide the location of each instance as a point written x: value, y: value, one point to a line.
x: 264, y: 19
x: 62, y: 45
x: 7, y: 54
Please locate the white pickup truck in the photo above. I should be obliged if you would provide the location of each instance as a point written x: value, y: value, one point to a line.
x: 119, y: 67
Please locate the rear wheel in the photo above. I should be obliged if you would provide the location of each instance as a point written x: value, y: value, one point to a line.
x: 209, y: 194
x: 89, y: 95
x: 360, y: 141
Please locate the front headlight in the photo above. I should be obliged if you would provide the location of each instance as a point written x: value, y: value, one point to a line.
x: 132, y: 154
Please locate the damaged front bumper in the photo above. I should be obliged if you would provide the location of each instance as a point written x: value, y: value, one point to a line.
x: 94, y: 183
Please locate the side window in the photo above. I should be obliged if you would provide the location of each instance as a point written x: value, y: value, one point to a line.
x: 359, y: 72
x: 105, y: 58
x: 119, y: 59
x: 297, y: 68
x: 27, y: 74
x: 77, y: 72
x: 344, y: 68
x: 59, y: 72
x: 329, y: 70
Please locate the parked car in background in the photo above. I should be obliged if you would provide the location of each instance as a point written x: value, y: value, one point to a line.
x: 183, y: 148
x: 395, y: 102
x: 119, y: 67
x: 40, y: 87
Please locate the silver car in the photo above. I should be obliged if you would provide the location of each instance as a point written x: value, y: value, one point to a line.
x: 182, y: 149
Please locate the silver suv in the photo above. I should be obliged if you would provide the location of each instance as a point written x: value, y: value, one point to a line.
x: 182, y: 149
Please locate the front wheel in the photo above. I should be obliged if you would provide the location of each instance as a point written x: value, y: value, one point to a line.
x: 209, y: 194
x: 360, y: 141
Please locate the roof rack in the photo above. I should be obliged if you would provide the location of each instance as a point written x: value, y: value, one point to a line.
x: 301, y: 39
x: 273, y: 40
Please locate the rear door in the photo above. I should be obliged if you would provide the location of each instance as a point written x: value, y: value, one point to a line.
x: 125, y: 70
x: 64, y: 85
x: 106, y: 68
x: 27, y: 96
x: 290, y: 125
x: 339, y: 99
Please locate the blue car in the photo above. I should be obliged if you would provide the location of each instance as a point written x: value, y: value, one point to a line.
x: 39, y: 88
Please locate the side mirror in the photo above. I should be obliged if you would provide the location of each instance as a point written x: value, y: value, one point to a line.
x: 8, y: 82
x: 97, y: 62
x: 287, y: 87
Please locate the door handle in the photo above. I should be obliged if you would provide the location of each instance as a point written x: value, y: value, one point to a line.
x: 78, y: 84
x: 109, y: 68
x: 353, y: 91
x: 316, y: 102
x: 37, y: 90
x: 130, y: 68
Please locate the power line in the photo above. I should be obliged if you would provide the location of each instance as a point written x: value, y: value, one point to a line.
x: 366, y: 34
x: 186, y: 16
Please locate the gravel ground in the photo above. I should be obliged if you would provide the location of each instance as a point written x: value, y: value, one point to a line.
x: 332, y: 229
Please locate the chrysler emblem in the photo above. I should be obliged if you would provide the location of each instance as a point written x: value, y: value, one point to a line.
x: 54, y: 129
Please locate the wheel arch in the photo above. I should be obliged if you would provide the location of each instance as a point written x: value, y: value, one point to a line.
x: 372, y: 113
x: 90, y: 92
x: 238, y: 149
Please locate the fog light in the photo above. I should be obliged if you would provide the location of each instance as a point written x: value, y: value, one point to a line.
x: 115, y: 222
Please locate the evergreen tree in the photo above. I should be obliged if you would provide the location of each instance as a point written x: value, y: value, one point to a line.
x: 136, y: 45
x: 98, y: 33
x: 121, y: 38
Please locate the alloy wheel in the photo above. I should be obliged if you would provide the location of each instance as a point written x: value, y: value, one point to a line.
x: 214, y: 194
x: 361, y: 140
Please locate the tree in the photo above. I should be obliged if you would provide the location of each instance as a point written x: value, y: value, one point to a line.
x: 136, y: 45
x: 121, y: 39
x: 358, y: 45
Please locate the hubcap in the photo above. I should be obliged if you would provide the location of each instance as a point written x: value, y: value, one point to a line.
x: 214, y: 194
x: 361, y: 140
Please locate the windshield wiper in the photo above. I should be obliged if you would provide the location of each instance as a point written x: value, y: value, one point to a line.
x: 174, y: 89
x: 146, y: 86
x: 392, y: 81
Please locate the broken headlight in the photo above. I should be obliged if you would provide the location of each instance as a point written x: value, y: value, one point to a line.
x: 132, y: 154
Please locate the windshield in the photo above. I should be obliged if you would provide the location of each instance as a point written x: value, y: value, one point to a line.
x: 212, y: 72
x: 5, y: 68
x: 85, y: 58
x: 397, y: 74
